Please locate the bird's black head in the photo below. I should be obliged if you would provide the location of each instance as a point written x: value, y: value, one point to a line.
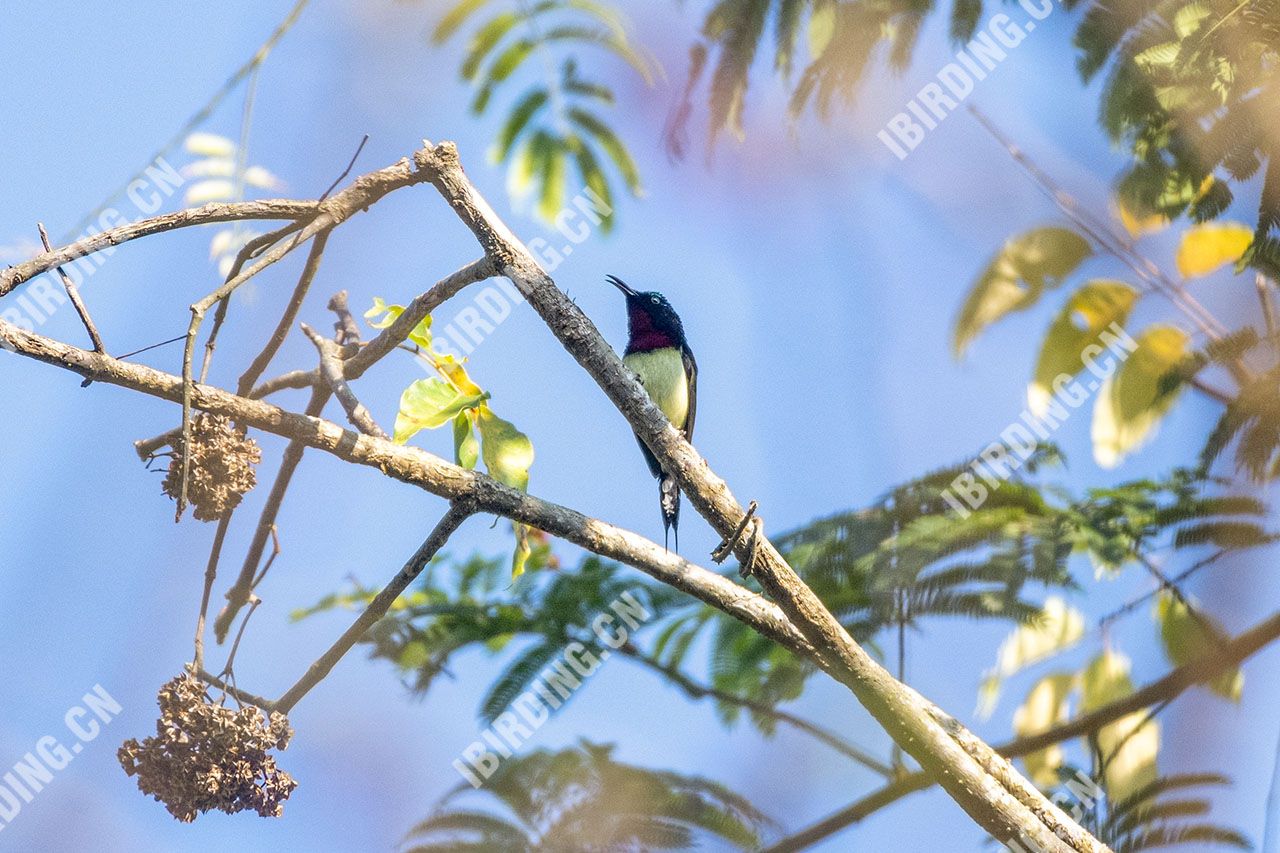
x: 651, y: 321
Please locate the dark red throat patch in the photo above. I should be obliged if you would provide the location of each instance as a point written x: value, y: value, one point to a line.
x: 644, y: 335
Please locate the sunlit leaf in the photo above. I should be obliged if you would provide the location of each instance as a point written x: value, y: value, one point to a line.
x: 822, y: 26
x: 507, y: 452
x: 430, y: 403
x: 1187, y: 638
x: 1045, y: 706
x: 1058, y: 628
x: 1209, y: 247
x: 1132, y: 401
x: 1085, y: 320
x: 214, y: 189
x: 466, y: 449
x: 210, y: 145
x: 382, y: 315
x: 452, y: 369
x: 1139, y: 224
x: 1016, y: 277
x: 1129, y: 745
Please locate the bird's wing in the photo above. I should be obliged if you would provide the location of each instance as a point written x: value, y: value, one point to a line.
x: 691, y: 375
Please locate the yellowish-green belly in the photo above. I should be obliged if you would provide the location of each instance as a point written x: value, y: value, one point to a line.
x: 662, y: 373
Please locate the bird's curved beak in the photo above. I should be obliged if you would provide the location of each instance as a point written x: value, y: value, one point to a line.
x: 620, y: 284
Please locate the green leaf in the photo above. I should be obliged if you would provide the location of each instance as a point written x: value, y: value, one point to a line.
x: 1133, y: 400
x: 519, y: 119
x: 612, y: 145
x: 593, y: 176
x: 608, y: 39
x: 1045, y: 706
x: 430, y: 403
x: 1191, y: 636
x: 1016, y: 277
x: 520, y: 557
x: 455, y: 18
x: 485, y: 40
x: 501, y: 68
x: 1089, y: 313
x: 551, y: 199
x: 1130, y: 744
x: 507, y: 452
x: 382, y: 315
x: 466, y: 450
x: 508, y: 455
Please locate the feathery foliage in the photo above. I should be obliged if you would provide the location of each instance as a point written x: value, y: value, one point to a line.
x: 554, y: 128
x: 583, y: 799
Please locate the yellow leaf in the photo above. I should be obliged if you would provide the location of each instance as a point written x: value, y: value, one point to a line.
x: 1129, y: 745
x: 1045, y: 706
x: 1084, y: 322
x: 1207, y: 248
x: 1058, y: 627
x: 210, y: 145
x: 1139, y: 225
x: 1132, y: 401
x: 451, y: 368
x: 1190, y: 636
x: 822, y: 26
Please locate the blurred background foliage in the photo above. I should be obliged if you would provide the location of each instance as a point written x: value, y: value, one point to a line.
x: 1189, y: 95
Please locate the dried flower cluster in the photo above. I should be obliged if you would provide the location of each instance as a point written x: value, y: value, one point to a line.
x: 222, y: 467
x: 206, y: 756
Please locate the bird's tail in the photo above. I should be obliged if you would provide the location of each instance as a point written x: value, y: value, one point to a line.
x: 669, y: 495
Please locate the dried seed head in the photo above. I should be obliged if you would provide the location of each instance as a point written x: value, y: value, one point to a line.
x: 222, y: 467
x: 206, y: 756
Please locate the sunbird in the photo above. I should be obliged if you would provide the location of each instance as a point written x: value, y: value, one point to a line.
x: 660, y: 357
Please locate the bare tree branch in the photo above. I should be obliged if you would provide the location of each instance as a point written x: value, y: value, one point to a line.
x: 983, y: 784
x: 1162, y: 690
x: 331, y: 370
x: 74, y: 295
x: 458, y: 513
x: 431, y: 473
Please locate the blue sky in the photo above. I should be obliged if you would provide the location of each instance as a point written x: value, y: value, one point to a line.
x: 817, y: 276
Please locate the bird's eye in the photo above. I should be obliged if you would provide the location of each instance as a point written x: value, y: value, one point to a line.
x: 655, y: 300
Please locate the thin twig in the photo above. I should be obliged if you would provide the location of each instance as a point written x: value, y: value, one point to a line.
x: 229, y: 669
x: 346, y: 329
x: 1178, y: 579
x: 722, y: 552
x: 1103, y: 236
x: 210, y: 574
x: 74, y: 294
x: 238, y: 595
x: 1210, y: 630
x: 242, y: 696
x: 259, y: 365
x: 378, y: 607
x: 271, y: 558
x: 347, y: 171
x: 360, y: 195
x: 208, y: 214
x: 702, y: 691
x: 331, y: 369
